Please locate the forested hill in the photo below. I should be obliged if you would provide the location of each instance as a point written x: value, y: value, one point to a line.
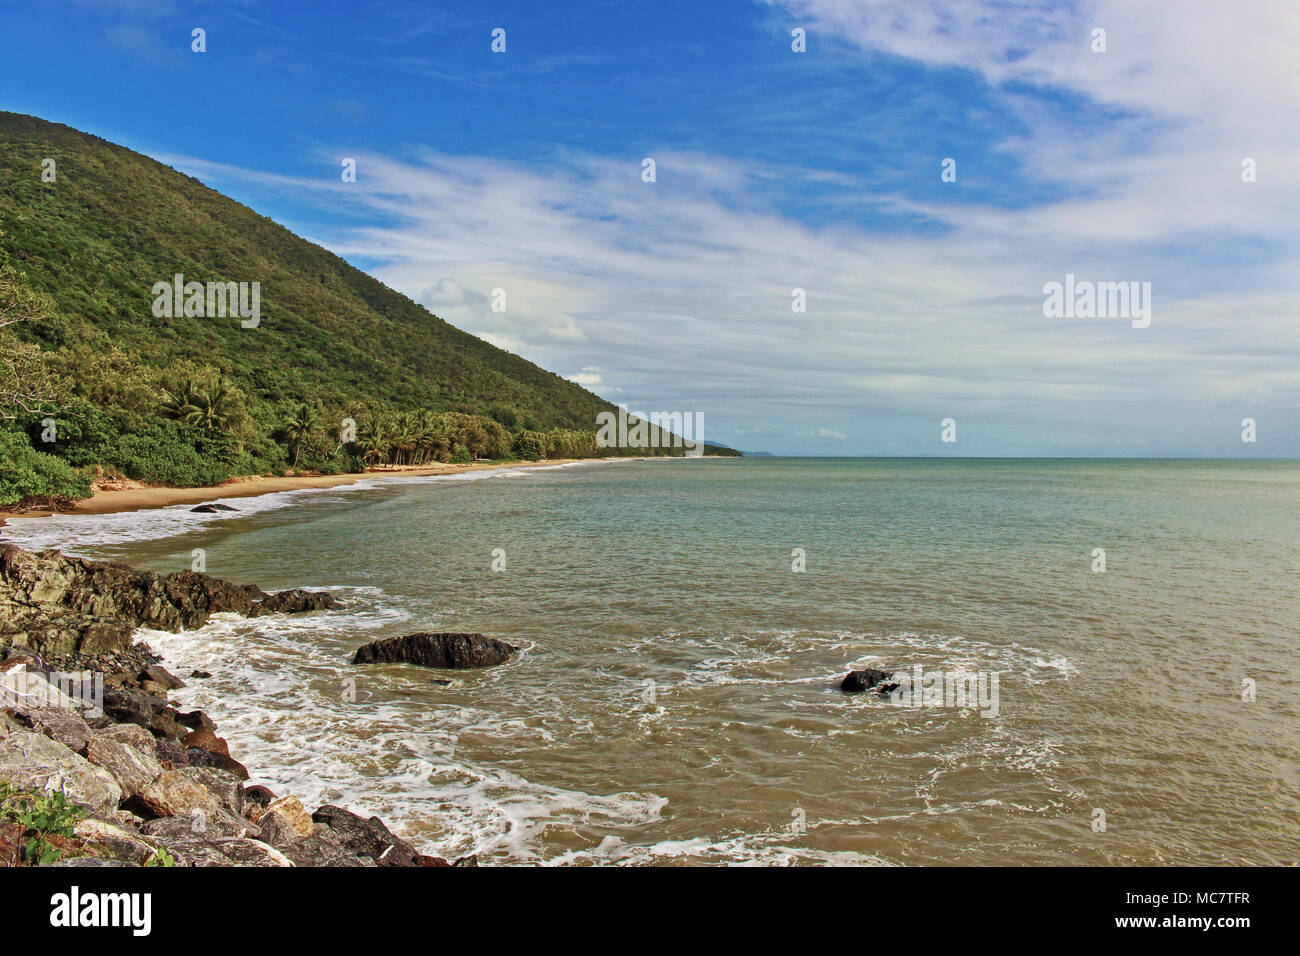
x: 331, y: 342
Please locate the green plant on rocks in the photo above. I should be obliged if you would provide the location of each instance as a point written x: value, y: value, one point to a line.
x: 41, y: 816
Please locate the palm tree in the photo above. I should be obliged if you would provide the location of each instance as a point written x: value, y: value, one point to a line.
x: 372, y: 437
x: 301, y: 423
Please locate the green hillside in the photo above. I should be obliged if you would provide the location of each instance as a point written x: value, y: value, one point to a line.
x: 188, y: 400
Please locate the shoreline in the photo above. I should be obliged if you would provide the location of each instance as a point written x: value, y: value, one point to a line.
x: 146, y: 497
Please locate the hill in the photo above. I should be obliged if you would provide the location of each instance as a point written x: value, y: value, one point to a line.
x: 167, y: 396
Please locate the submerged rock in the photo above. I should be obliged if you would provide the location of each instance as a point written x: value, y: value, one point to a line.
x: 211, y: 508
x: 858, y: 681
x: 456, y: 651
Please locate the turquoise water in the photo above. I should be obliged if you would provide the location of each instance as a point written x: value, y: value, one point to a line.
x: 1119, y: 691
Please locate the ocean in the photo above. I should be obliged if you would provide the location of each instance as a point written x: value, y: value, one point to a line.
x: 686, y: 624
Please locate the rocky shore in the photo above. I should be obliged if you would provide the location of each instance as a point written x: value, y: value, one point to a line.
x: 98, y: 768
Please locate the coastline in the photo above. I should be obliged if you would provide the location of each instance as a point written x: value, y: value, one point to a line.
x: 143, y: 497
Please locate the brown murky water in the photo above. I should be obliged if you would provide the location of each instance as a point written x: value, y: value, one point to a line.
x: 676, y: 700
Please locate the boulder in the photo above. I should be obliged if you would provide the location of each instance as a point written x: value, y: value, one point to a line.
x: 197, y: 757
x: 133, y: 767
x: 225, y: 787
x: 172, y: 794
x: 201, y: 824
x: 368, y: 838
x: 113, y: 842
x: 290, y: 812
x: 65, y: 726
x: 212, y: 508
x: 160, y: 675
x: 437, y: 650
x: 295, y: 601
x: 857, y: 681
x: 32, y: 761
x: 205, y: 739
x: 322, y: 848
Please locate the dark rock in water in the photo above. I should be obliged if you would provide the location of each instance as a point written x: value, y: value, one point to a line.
x: 453, y: 651
x: 858, y: 681
x: 368, y: 838
x: 200, y: 675
x: 212, y: 508
x: 295, y: 601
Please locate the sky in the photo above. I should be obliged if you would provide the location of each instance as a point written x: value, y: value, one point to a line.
x: 1164, y: 151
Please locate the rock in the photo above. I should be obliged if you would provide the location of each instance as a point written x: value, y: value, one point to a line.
x: 161, y: 675
x: 200, y: 675
x: 257, y: 796
x: 65, y: 726
x: 195, y: 720
x: 128, y: 706
x: 59, y: 606
x: 369, y: 838
x: 170, y: 754
x: 224, y: 787
x: 295, y: 601
x: 437, y: 650
x: 172, y: 794
x: 83, y: 862
x: 251, y: 853
x: 858, y: 681
x: 32, y: 761
x: 197, y: 757
x: 322, y: 848
x: 132, y: 735
x: 113, y: 842
x: 205, y: 739
x: 290, y: 811
x: 134, y: 768
x: 200, y: 824
x: 212, y: 508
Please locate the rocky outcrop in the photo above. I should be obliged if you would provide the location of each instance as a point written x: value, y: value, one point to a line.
x: 153, y: 783
x: 60, y: 606
x: 452, y: 651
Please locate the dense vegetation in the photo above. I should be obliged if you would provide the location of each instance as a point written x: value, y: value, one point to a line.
x: 342, y: 372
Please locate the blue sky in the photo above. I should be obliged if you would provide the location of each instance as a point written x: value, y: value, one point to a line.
x: 776, y: 170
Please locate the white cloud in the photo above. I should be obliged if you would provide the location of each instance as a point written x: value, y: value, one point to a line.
x: 679, y: 292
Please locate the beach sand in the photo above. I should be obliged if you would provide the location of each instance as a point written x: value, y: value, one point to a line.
x: 137, y: 496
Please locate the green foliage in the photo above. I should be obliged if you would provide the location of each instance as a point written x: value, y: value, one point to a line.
x: 28, y: 473
x: 194, y: 400
x: 161, y: 858
x: 41, y: 816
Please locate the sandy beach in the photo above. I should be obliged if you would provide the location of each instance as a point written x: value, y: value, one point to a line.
x: 137, y: 496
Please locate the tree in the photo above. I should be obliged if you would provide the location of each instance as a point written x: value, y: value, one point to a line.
x: 27, y: 386
x: 300, y: 426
